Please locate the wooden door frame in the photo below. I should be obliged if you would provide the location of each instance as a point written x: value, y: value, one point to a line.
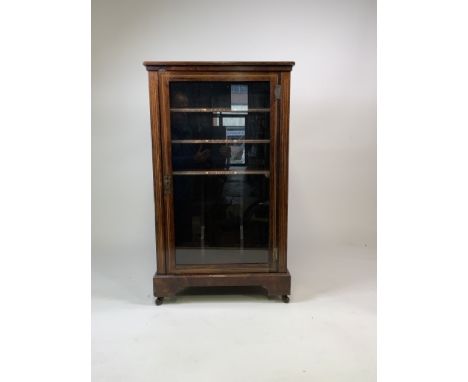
x: 165, y: 77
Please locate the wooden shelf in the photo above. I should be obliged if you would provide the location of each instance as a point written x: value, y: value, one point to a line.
x: 220, y: 141
x: 223, y: 172
x: 217, y: 110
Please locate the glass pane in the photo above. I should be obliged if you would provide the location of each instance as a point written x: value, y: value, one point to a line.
x: 211, y: 94
x: 220, y: 125
x: 221, y: 219
x: 220, y: 135
x: 240, y: 156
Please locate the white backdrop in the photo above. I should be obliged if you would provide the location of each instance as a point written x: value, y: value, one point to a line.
x: 333, y: 108
x: 332, y: 192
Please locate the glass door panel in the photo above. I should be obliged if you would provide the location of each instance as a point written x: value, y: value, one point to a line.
x: 221, y: 219
x: 220, y: 153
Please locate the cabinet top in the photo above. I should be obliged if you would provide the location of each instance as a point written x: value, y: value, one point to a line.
x: 278, y: 66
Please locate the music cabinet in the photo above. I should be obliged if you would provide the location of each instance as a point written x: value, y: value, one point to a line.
x: 220, y: 168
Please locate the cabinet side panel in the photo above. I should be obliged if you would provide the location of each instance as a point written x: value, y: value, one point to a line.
x: 283, y: 153
x: 157, y: 171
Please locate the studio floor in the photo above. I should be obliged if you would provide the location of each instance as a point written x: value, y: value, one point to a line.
x: 326, y: 333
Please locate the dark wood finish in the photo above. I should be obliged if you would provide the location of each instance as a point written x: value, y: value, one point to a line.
x: 157, y: 172
x: 171, y: 278
x: 224, y: 75
x: 236, y: 66
x: 218, y: 63
x: 283, y: 150
x: 167, y: 170
x: 273, y: 172
x: 275, y: 283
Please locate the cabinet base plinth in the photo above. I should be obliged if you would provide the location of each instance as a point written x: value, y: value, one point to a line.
x: 275, y: 283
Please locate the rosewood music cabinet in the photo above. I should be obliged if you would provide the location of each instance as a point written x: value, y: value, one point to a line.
x: 220, y: 167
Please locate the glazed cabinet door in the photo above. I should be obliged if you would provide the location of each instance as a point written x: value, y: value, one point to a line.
x: 219, y: 159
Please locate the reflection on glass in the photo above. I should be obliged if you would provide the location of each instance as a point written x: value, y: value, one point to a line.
x: 203, y: 156
x: 235, y: 129
x: 239, y: 97
x: 224, y: 95
x: 216, y: 125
